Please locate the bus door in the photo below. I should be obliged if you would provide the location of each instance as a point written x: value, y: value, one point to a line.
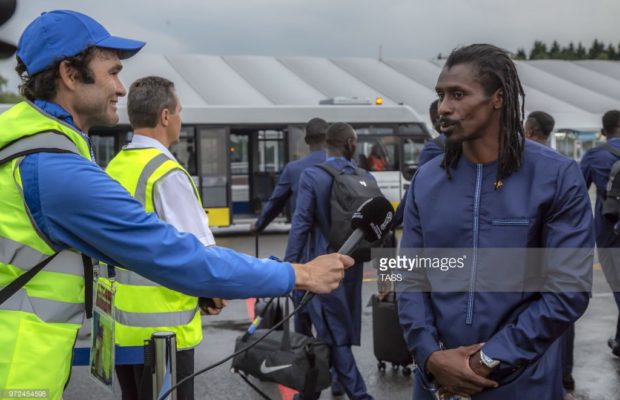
x: 240, y: 161
x: 214, y: 174
x: 257, y: 156
x: 270, y: 158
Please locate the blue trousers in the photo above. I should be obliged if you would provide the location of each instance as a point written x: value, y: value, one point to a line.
x: 568, y: 343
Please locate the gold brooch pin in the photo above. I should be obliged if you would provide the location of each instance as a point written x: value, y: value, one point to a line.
x: 498, y: 184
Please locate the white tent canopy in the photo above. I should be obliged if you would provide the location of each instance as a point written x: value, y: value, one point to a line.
x: 575, y: 93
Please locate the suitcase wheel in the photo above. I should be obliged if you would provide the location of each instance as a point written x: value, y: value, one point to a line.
x: 406, y: 371
x: 395, y: 367
x: 381, y: 366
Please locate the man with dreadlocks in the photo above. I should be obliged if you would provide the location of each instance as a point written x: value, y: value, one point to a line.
x: 493, y: 190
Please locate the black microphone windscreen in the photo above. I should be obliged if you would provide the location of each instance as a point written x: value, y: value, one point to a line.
x: 374, y: 218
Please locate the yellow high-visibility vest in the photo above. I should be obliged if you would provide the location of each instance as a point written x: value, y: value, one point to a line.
x: 142, y: 307
x: 38, y: 324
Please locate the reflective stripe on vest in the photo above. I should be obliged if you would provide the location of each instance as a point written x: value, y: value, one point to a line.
x: 45, y: 141
x: 25, y: 257
x: 46, y: 310
x: 20, y: 255
x: 146, y: 320
x: 147, y: 172
x: 127, y: 277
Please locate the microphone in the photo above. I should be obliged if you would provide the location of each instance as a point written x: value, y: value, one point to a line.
x: 371, y: 221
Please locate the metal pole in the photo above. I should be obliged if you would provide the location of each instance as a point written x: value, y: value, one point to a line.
x: 165, y: 369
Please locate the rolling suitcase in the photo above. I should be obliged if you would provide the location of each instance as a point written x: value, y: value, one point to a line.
x: 387, y: 335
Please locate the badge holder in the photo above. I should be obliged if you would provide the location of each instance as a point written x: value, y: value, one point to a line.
x: 102, y: 335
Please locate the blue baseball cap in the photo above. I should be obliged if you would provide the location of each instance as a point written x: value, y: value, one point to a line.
x: 60, y: 34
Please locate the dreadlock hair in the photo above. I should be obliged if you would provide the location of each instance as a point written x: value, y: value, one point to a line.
x: 494, y: 70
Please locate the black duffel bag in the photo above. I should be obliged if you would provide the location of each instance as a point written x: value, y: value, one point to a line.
x: 288, y: 358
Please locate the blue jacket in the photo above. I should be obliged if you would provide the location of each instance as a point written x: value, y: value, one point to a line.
x: 287, y: 188
x: 544, y: 204
x: 336, y: 316
x: 431, y: 149
x: 77, y: 205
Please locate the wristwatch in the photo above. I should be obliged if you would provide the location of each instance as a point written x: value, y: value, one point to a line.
x: 488, y: 361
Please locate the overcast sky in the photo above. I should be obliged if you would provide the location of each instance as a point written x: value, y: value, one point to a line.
x: 333, y: 28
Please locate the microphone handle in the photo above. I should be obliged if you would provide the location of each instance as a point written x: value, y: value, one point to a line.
x: 351, y: 243
x: 347, y: 249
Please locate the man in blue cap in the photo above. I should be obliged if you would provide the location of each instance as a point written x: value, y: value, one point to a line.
x: 58, y: 209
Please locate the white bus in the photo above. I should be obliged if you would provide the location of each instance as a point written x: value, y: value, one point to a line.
x: 236, y: 153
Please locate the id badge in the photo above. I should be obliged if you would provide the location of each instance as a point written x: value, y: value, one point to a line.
x: 102, y: 334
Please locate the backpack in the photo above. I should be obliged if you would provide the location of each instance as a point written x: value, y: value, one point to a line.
x: 347, y: 194
x: 611, y: 204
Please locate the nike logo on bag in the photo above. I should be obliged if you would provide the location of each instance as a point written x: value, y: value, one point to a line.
x: 264, y: 369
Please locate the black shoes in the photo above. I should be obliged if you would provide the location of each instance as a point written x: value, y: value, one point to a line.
x: 337, y: 389
x: 614, y: 346
x: 568, y: 382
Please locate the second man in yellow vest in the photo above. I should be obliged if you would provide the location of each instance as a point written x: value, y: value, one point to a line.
x: 152, y: 175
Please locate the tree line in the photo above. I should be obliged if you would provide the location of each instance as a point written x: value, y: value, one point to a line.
x: 597, y: 51
x: 6, y: 96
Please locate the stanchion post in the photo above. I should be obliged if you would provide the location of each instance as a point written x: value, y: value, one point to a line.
x: 164, y: 345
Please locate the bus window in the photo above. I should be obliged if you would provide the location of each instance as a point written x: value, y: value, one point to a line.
x: 185, y: 150
x: 103, y: 148
x: 270, y: 151
x: 106, y: 143
x: 411, y: 156
x: 374, y: 130
x: 297, y: 147
x: 270, y: 161
x: 377, y: 153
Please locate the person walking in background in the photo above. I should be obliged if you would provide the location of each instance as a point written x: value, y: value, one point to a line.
x: 596, y: 166
x: 336, y: 317
x: 538, y: 127
x: 286, y: 190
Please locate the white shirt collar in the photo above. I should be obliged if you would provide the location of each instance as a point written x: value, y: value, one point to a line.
x: 140, y: 142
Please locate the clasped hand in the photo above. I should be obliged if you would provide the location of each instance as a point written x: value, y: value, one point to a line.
x: 459, y: 371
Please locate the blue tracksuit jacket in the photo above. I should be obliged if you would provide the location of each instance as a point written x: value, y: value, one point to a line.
x: 544, y: 204
x: 286, y: 188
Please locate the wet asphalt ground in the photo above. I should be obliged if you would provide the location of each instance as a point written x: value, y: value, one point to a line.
x: 596, y: 371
